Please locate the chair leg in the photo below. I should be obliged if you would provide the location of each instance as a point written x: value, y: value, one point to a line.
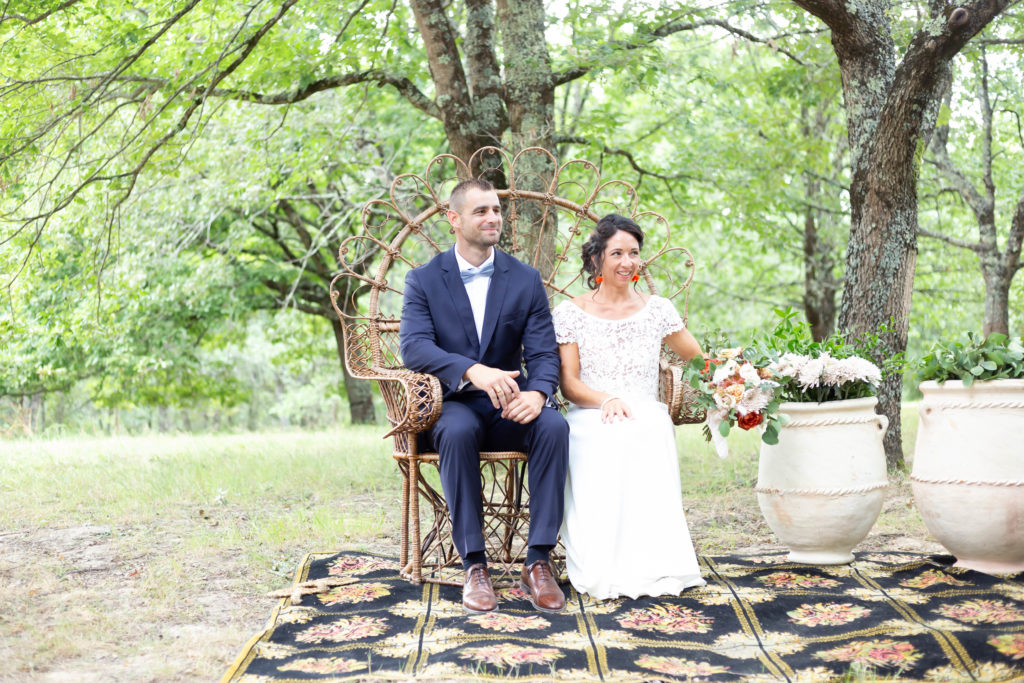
x: 511, y: 509
x: 403, y: 467
x: 414, y: 512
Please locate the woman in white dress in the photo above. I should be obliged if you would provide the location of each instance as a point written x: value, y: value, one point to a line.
x: 624, y: 529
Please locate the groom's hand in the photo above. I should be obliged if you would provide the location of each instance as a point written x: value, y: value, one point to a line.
x: 499, y: 385
x: 525, y: 408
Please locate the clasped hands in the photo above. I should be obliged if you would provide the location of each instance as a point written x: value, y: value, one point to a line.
x: 500, y: 386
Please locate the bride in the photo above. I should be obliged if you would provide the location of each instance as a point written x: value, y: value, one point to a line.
x: 624, y: 529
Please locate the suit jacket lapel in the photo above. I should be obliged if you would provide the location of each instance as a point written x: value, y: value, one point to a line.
x: 495, y: 296
x: 460, y: 300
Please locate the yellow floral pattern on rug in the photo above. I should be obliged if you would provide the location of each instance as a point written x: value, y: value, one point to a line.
x: 882, y: 653
x: 676, y: 666
x: 827, y: 614
x: 511, y: 655
x: 343, y: 630
x: 796, y: 580
x: 1010, y: 644
x: 932, y: 577
x: 989, y: 672
x: 356, y: 592
x: 359, y: 564
x: 508, y: 623
x: 666, y: 619
x: 983, y: 612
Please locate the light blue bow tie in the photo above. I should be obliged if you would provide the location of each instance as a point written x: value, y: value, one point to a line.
x: 470, y: 274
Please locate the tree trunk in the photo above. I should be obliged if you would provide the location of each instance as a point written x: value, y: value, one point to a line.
x: 358, y: 391
x: 997, y: 303
x: 882, y: 249
x: 820, y: 284
x: 530, y: 95
x: 889, y: 110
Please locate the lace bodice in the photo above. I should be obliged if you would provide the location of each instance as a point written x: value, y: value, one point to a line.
x: 619, y: 356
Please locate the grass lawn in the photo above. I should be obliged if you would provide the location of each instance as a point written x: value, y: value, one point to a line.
x: 146, y: 558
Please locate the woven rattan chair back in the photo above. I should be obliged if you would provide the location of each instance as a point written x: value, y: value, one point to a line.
x: 553, y: 210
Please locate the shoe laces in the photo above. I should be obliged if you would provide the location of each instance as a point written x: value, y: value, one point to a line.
x: 544, y: 568
x: 478, y: 577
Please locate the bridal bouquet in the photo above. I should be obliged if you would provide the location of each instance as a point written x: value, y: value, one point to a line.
x: 736, y: 392
x: 745, y: 387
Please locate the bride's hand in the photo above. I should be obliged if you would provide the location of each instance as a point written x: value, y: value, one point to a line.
x: 615, y: 410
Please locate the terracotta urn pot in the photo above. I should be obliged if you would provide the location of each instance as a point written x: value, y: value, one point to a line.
x: 821, y: 487
x: 968, y: 474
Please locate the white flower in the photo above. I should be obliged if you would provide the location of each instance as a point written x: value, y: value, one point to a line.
x: 832, y: 374
x: 853, y: 369
x: 725, y: 401
x: 749, y: 374
x: 755, y: 400
x: 789, y: 365
x: 811, y: 372
x: 724, y: 372
x: 729, y: 354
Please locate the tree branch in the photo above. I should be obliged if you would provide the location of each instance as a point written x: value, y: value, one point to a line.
x: 954, y: 241
x: 615, y: 151
x: 667, y: 29
x: 28, y: 22
x: 131, y: 175
x: 405, y: 87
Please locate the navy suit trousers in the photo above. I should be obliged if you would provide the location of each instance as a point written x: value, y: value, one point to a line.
x: 469, y: 424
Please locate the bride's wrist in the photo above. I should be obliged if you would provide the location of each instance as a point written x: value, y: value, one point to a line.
x: 606, y: 401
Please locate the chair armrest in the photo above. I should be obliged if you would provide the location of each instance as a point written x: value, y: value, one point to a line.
x: 679, y: 396
x: 413, y: 399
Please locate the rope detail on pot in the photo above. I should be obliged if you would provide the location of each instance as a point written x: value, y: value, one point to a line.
x: 822, y: 492
x: 975, y: 405
x: 828, y: 421
x: 967, y: 482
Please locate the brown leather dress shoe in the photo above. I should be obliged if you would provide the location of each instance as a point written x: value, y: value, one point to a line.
x: 477, y: 593
x: 539, y: 581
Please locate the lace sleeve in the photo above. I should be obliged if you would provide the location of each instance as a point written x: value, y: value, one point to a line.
x: 565, y: 323
x: 667, y: 316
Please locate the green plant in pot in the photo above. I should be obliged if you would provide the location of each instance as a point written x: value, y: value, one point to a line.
x: 968, y: 467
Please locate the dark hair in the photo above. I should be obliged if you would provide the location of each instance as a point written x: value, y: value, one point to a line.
x: 593, y: 248
x: 464, y: 186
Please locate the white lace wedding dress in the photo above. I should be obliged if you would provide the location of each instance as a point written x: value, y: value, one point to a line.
x: 624, y: 529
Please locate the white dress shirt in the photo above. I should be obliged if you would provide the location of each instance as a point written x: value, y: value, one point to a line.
x: 477, y: 291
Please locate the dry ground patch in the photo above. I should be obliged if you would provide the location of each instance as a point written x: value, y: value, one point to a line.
x: 146, y: 558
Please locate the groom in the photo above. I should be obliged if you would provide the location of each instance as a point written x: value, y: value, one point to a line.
x: 473, y: 316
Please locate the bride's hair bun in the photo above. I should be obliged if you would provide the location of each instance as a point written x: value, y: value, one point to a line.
x: 593, y: 248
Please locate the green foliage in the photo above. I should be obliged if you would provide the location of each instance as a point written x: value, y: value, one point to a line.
x: 792, y: 335
x: 745, y: 386
x: 974, y: 359
x: 240, y: 207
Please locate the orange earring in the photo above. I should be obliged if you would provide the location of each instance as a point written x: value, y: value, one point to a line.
x: 598, y: 279
x: 636, y: 277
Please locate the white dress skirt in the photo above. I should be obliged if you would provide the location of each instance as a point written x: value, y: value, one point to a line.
x: 624, y: 529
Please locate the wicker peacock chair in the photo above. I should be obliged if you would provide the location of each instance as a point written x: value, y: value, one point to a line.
x: 545, y: 204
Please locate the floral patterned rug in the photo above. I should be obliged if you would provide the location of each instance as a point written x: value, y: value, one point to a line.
x: 888, y: 615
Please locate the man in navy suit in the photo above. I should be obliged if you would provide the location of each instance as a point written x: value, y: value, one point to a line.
x: 473, y: 316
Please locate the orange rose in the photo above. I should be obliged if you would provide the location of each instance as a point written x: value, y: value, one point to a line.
x: 750, y: 420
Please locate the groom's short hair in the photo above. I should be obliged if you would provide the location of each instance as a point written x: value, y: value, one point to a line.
x: 458, y: 195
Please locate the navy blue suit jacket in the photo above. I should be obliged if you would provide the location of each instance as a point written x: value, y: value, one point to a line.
x: 438, y: 335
